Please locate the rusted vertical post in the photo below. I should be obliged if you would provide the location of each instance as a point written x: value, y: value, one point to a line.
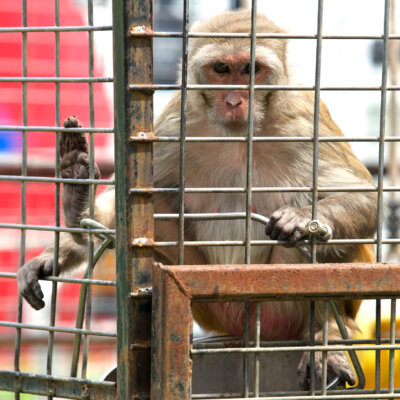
x: 172, y: 326
x: 134, y: 213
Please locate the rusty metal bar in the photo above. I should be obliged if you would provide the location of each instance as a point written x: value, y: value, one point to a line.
x: 291, y: 281
x: 171, y: 363
x: 47, y: 385
x: 176, y: 287
x: 134, y: 214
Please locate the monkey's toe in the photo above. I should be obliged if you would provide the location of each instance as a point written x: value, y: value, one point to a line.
x: 338, y: 368
x: 70, y: 141
x: 72, y: 122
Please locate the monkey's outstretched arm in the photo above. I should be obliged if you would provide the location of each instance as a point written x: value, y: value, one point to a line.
x: 74, y: 163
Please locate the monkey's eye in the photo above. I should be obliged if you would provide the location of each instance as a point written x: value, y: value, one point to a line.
x: 247, y: 69
x: 221, y: 68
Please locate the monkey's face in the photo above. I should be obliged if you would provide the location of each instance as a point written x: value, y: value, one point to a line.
x: 228, y: 109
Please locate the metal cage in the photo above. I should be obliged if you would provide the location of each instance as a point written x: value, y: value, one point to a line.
x: 156, y: 355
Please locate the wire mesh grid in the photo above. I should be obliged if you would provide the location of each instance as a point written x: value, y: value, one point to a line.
x: 43, y: 344
x: 137, y: 14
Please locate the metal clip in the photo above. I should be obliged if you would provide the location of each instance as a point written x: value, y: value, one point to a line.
x: 142, y: 242
x: 320, y: 230
x: 142, y: 292
x: 143, y: 137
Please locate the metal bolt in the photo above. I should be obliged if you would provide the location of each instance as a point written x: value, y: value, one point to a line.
x: 314, y: 227
x: 140, y: 241
x: 138, y: 29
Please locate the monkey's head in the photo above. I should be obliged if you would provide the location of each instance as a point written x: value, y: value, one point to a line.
x: 226, y: 61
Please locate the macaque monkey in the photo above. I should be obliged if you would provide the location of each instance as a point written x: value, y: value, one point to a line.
x: 225, y: 113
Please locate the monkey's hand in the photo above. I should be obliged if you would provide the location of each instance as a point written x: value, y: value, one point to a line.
x: 289, y: 224
x: 28, y: 279
x: 74, y: 164
x: 337, y: 365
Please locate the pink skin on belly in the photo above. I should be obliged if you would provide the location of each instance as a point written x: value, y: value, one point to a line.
x: 276, y: 323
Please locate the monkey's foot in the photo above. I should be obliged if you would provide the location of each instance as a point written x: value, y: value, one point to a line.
x: 338, y: 366
x: 71, y: 141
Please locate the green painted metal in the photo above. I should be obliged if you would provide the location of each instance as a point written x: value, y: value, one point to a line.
x: 134, y: 212
x: 70, y: 388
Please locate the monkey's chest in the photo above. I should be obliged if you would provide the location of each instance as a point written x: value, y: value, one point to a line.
x: 232, y: 231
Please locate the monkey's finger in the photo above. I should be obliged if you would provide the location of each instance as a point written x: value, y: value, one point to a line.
x: 32, y: 291
x: 295, y: 237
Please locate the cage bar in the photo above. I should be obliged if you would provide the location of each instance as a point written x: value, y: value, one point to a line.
x: 133, y: 114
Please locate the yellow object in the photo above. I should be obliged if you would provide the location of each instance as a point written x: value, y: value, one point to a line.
x: 367, y: 357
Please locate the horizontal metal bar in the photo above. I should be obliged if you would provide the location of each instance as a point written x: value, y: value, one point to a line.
x: 260, y: 189
x: 284, y: 281
x: 331, y: 395
x: 285, y: 343
x: 55, y: 228
x: 56, y: 79
x: 65, y: 279
x: 293, y: 349
x: 48, y: 328
x: 54, y: 129
x: 80, y: 28
x: 258, y: 35
x: 50, y: 385
x: 268, y: 242
x: 151, y: 87
x: 300, y: 139
x: 17, y: 178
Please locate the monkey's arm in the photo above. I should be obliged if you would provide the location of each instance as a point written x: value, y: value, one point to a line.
x: 350, y: 216
x: 74, y: 163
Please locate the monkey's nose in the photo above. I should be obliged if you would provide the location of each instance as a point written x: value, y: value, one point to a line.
x: 233, y: 102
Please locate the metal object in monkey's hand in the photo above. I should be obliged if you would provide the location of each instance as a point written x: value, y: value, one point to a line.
x: 319, y: 230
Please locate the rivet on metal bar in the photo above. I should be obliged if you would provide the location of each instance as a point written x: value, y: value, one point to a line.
x: 142, y: 292
x: 85, y: 392
x: 141, y: 345
x: 140, y: 31
x: 143, y: 137
x: 142, y: 242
